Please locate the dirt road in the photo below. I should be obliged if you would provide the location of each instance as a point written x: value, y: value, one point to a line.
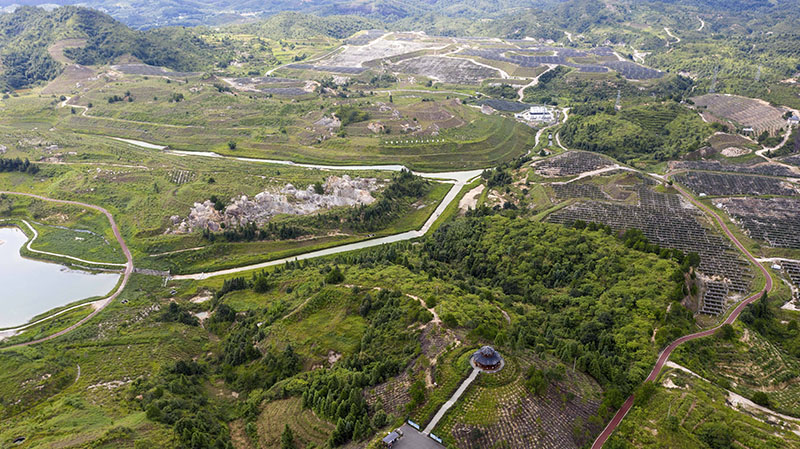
x: 120, y: 286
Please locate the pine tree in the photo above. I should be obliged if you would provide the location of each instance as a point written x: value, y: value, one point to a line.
x: 287, y: 438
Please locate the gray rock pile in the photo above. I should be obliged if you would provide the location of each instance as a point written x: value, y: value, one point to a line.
x: 337, y: 192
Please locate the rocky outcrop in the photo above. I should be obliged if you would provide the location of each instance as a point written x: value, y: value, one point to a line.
x: 337, y: 192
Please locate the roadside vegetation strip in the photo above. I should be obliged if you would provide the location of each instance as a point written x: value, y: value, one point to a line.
x: 101, y: 304
x: 664, y: 355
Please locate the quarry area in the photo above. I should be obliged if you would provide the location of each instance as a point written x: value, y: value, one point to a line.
x: 336, y: 192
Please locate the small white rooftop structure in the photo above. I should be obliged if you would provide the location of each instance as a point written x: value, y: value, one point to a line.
x: 793, y: 120
x: 536, y: 114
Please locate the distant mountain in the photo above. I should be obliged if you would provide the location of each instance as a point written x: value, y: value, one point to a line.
x: 28, y: 33
x: 294, y: 25
x: 142, y: 14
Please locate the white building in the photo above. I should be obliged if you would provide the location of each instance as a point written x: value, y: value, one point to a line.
x: 536, y: 114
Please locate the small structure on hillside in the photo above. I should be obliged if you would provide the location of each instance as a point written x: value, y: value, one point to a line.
x: 487, y: 359
x: 391, y: 439
x: 540, y: 114
x: 793, y: 120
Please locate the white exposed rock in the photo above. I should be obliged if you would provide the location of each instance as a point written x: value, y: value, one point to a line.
x: 376, y: 127
x: 337, y: 192
x: 329, y: 122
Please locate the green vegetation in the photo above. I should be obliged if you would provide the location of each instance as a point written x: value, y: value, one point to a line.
x: 508, y: 257
x: 349, y: 114
x: 32, y: 31
x: 642, y: 134
x: 334, y: 351
x: 760, y: 356
x: 694, y: 413
x: 8, y: 165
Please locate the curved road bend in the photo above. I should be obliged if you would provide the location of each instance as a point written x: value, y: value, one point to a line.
x: 664, y: 355
x: 112, y: 296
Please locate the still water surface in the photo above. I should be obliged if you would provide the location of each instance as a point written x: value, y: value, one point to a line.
x: 29, y: 287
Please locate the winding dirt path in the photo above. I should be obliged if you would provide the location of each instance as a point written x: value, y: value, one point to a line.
x: 669, y: 33
x: 98, y: 305
x: 664, y: 355
x: 535, y: 81
x: 64, y: 256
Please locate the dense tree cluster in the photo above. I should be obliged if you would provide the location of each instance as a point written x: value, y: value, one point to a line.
x: 176, y: 397
x: 382, y: 80
x: 177, y: 314
x: 17, y: 164
x: 404, y: 189
x: 582, y: 290
x: 501, y: 91
x: 348, y: 114
x: 27, y: 33
x: 384, y: 351
x: 501, y: 175
x: 250, y: 232
x: 657, y: 133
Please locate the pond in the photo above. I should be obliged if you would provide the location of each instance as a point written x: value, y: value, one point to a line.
x: 30, y: 287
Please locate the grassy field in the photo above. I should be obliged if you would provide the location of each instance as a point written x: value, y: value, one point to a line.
x: 277, y: 127
x: 694, y: 413
x: 308, y: 429
x: 327, y: 323
x: 45, y: 400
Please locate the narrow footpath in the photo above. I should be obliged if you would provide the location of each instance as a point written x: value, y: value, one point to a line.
x: 451, y: 402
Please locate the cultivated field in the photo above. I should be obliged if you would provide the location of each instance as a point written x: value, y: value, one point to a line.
x: 499, y: 410
x: 446, y: 70
x: 743, y: 112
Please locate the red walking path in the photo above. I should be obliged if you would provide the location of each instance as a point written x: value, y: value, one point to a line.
x: 120, y: 286
x: 664, y: 355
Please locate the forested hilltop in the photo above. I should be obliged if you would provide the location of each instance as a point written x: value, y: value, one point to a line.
x: 28, y: 34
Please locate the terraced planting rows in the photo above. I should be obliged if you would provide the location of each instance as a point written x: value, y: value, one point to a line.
x: 308, y: 429
x: 753, y: 168
x: 685, y: 408
x: 718, y: 184
x: 654, y: 121
x: 666, y: 221
x: 571, y: 163
x: 446, y: 70
x: 563, y: 192
x: 793, y: 160
x: 499, y: 411
x: 743, y: 111
x: 773, y: 220
x: 563, y: 56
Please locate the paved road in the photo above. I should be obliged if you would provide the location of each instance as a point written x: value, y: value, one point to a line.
x: 120, y: 286
x: 414, y: 439
x: 452, y: 401
x: 664, y: 355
